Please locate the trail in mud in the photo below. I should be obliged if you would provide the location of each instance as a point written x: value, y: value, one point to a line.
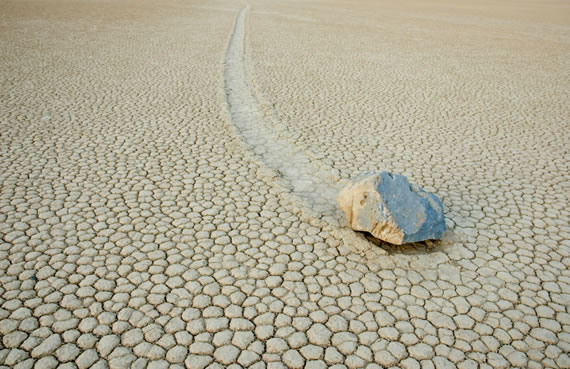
x: 304, y: 179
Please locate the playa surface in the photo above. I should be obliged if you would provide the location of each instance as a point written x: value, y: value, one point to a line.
x: 168, y: 171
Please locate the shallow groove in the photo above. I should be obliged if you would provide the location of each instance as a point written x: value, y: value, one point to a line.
x: 304, y: 179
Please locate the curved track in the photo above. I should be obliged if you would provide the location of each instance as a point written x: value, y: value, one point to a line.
x: 304, y: 179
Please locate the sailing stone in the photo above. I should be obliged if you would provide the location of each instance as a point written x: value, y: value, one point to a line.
x: 391, y: 208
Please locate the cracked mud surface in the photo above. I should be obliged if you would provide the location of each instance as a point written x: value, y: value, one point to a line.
x: 140, y: 225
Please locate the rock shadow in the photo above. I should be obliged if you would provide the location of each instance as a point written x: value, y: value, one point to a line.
x: 447, y: 241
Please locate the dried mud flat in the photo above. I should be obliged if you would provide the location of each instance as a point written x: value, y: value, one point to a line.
x: 167, y: 173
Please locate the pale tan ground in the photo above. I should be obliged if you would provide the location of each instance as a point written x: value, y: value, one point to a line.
x: 137, y: 229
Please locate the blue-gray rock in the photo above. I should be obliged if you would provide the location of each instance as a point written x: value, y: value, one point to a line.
x: 391, y: 208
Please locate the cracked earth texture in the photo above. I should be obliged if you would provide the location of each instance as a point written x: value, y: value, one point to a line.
x: 142, y: 227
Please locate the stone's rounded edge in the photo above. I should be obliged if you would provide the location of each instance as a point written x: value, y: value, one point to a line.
x: 391, y: 208
x: 356, y: 190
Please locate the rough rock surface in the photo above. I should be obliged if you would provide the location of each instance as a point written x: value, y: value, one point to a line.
x: 391, y: 208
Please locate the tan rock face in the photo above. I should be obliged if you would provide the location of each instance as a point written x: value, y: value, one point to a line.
x: 352, y: 200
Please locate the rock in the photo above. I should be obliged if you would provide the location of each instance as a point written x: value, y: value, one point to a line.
x: 391, y: 208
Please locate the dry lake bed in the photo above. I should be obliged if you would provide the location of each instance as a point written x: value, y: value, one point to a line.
x: 168, y: 173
